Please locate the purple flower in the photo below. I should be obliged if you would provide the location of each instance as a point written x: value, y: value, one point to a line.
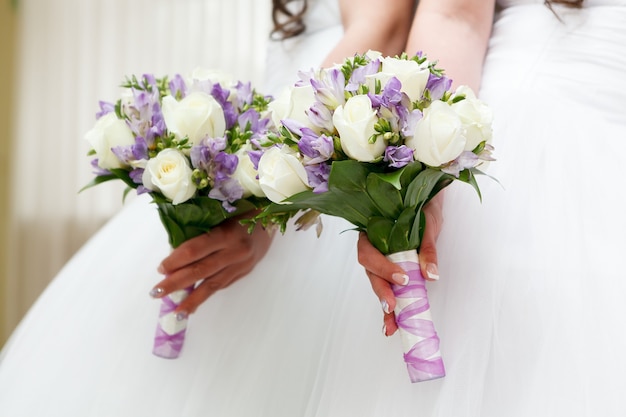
x: 360, y: 74
x: 227, y: 192
x: 255, y: 157
x: 315, y: 148
x: 318, y: 176
x: 467, y: 159
x: 438, y: 86
x: 105, y: 108
x: 398, y: 156
x: 321, y: 116
x: 224, y: 166
x: 178, y: 88
x: 251, y: 121
x: 136, y: 175
x: 221, y: 95
x: 243, y: 94
x: 329, y: 90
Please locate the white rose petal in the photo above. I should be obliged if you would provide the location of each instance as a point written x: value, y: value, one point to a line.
x: 196, y: 116
x: 355, y: 123
x: 476, y: 116
x: 412, y: 76
x: 170, y: 173
x: 107, y: 133
x: 246, y: 174
x: 293, y: 103
x: 439, y: 135
x: 281, y: 174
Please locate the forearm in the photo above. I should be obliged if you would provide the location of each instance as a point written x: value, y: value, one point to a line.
x: 456, y: 34
x: 367, y: 26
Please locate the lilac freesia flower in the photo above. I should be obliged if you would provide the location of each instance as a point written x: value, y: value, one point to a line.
x: 221, y: 94
x: 105, y: 108
x: 227, y: 192
x: 178, y: 88
x: 250, y: 120
x: 97, y: 170
x: 321, y: 116
x: 243, y: 95
x: 408, y: 127
x: 359, y: 75
x: 467, y: 159
x: 136, y: 175
x: 255, y: 157
x: 329, y: 88
x: 437, y: 86
x: 219, y: 166
x: 398, y: 156
x: 315, y: 148
x: 318, y: 176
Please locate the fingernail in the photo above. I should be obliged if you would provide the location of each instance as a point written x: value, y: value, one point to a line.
x: 181, y: 315
x: 384, y: 330
x: 156, y: 292
x: 160, y: 269
x: 401, y: 279
x: 385, y: 305
x: 432, y: 272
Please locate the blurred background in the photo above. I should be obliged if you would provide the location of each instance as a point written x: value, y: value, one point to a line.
x: 60, y: 57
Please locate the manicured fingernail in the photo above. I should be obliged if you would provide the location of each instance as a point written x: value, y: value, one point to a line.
x: 401, y: 279
x: 385, y: 305
x: 181, y: 315
x: 384, y: 330
x: 156, y: 292
x: 160, y: 269
x: 432, y: 272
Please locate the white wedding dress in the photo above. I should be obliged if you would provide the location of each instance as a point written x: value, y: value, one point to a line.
x: 530, y: 307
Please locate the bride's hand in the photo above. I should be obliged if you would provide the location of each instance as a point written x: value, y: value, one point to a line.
x: 211, y: 261
x: 382, y: 272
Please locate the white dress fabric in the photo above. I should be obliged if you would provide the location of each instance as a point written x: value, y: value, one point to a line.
x: 529, y: 308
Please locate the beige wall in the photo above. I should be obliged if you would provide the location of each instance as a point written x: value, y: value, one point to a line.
x: 7, y: 54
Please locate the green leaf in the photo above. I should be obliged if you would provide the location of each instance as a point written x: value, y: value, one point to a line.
x: 195, y: 217
x: 378, y: 233
x: 417, y: 230
x: 385, y: 195
x: 421, y: 188
x: 399, y: 237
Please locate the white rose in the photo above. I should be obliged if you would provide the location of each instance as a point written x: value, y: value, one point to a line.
x: 412, y: 76
x: 355, y: 122
x: 169, y: 172
x: 439, y: 135
x: 293, y: 103
x: 107, y: 133
x: 476, y: 117
x: 216, y: 76
x: 281, y: 174
x: 246, y: 174
x: 197, y: 116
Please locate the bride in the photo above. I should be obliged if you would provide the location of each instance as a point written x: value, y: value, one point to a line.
x: 529, y: 306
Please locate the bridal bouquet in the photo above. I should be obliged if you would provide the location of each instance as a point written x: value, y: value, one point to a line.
x: 372, y: 141
x: 192, y: 145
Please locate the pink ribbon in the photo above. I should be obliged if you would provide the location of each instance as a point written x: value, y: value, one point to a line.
x: 167, y: 345
x: 422, y: 359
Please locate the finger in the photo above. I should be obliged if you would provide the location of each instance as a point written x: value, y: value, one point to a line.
x: 389, y: 324
x: 428, y: 247
x: 203, y: 269
x: 376, y: 263
x: 209, y: 287
x: 191, y: 251
x: 383, y: 291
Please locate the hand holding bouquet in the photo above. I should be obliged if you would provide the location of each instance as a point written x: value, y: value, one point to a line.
x: 372, y: 141
x: 193, y: 146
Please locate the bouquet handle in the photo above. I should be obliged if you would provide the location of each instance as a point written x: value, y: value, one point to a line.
x: 420, y: 342
x: 170, y: 332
